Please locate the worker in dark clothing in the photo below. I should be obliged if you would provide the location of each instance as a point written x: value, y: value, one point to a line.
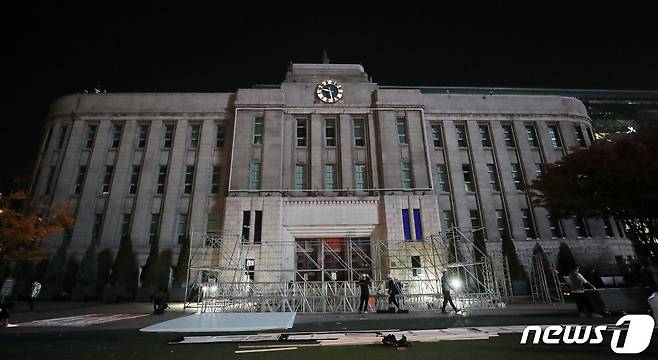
x: 160, y: 302
x: 445, y: 289
x: 393, y: 292
x: 364, y: 284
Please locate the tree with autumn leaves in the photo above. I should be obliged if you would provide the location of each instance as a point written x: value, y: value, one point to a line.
x: 608, y: 180
x: 23, y: 227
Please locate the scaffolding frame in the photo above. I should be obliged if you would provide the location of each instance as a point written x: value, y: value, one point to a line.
x: 544, y: 282
x: 219, y: 280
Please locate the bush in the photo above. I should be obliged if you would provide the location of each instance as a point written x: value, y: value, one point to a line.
x: 565, y: 260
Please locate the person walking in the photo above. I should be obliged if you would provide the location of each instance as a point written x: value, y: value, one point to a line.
x: 577, y: 282
x: 393, y: 292
x: 364, y: 284
x: 36, y: 289
x: 445, y: 289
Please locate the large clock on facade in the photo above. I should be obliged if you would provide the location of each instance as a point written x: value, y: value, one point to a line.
x: 329, y: 91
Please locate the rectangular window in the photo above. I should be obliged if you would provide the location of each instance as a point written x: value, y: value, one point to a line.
x: 501, y: 222
x: 189, y: 179
x: 107, y: 179
x: 443, y: 178
x: 142, y: 135
x: 508, y: 134
x: 96, y: 230
x: 406, y: 175
x: 330, y: 177
x: 126, y: 219
x: 246, y: 225
x: 359, y: 132
x: 194, y: 136
x: 360, y: 177
x: 91, y: 134
x: 51, y: 177
x: 182, y: 228
x: 62, y: 136
x: 469, y: 184
x: 401, y: 124
x: 211, y: 225
x: 162, y: 180
x: 216, y: 177
x: 493, y: 177
x: 448, y: 220
x: 258, y: 226
x: 528, y: 224
x: 258, y: 130
x: 581, y: 227
x: 221, y: 135
x: 580, y: 136
x: 80, y: 180
x: 300, y: 177
x: 154, y: 231
x: 556, y: 227
x: 116, y: 136
x: 168, y: 138
x: 254, y: 175
x: 485, y: 136
x: 460, y: 131
x: 134, y: 180
x: 418, y: 225
x: 554, y: 135
x: 330, y: 132
x: 538, y: 170
x: 620, y: 228
x: 406, y: 224
x: 532, y: 135
x: 301, y: 132
x: 437, y: 135
x: 607, y: 226
x: 517, y: 176
x: 415, y: 262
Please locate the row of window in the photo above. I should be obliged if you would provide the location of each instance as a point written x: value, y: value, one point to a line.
x: 161, y: 183
x: 126, y: 226
x: 142, y: 136
x: 508, y: 135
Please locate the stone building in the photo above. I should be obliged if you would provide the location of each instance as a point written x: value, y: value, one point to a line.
x: 327, y: 154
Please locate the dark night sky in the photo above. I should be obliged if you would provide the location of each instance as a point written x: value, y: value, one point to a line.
x: 62, y: 49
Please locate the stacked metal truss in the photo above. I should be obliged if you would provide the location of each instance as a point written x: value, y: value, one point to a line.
x: 219, y: 282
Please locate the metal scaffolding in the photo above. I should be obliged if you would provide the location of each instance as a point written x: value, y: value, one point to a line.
x: 223, y: 275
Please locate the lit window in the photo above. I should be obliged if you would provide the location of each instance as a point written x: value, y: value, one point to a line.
x: 508, y: 134
x: 460, y: 132
x: 189, y: 179
x: 556, y: 227
x: 162, y: 180
x: 330, y: 177
x: 142, y: 136
x: 582, y: 228
x: 214, y: 187
x: 301, y: 132
x: 116, y: 136
x: 532, y: 135
x: 538, y: 170
x: 258, y: 131
x: 401, y: 124
x: 246, y: 225
x: 493, y: 177
x: 501, y: 222
x: 360, y: 177
x: 254, y: 176
x: 437, y: 136
x: 107, y: 179
x: 448, y: 220
x: 554, y: 135
x: 359, y: 132
x: 91, y: 134
x: 485, y: 136
x: 194, y: 136
x: 134, y: 180
x: 528, y: 224
x: 221, y: 134
x: 580, y: 136
x: 406, y: 175
x: 443, y: 178
x: 517, y: 176
x: 168, y: 138
x: 330, y: 132
x: 300, y: 177
x: 469, y: 184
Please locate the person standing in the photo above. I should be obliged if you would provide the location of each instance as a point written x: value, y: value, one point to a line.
x: 393, y: 292
x: 364, y: 284
x: 577, y: 282
x: 445, y: 289
x: 36, y: 289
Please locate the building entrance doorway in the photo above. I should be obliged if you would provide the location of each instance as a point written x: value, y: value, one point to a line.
x: 333, y: 259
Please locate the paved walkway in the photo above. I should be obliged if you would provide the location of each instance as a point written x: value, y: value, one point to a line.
x: 62, y: 316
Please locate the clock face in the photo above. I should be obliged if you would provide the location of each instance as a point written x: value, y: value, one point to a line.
x: 329, y: 91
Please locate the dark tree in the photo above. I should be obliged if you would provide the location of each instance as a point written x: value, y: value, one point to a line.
x: 88, y: 267
x: 517, y: 272
x: 104, y: 269
x: 125, y: 269
x: 149, y: 270
x: 69, y: 280
x: 180, y: 276
x: 56, y: 266
x: 163, y: 269
x: 565, y: 260
x: 608, y: 180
